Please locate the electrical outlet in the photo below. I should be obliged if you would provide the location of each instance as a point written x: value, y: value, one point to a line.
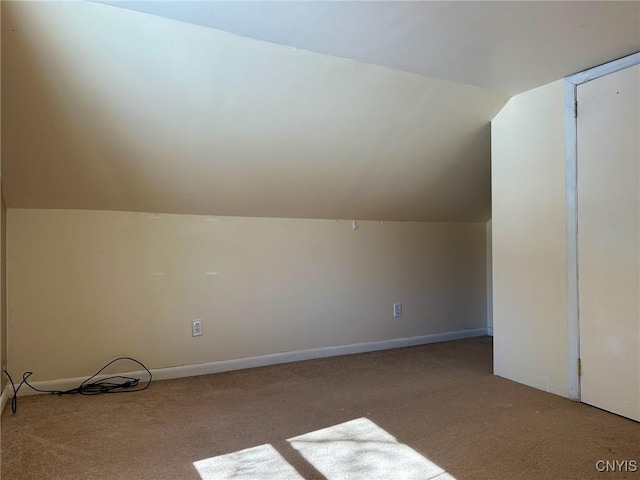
x: 196, y: 327
x: 397, y: 309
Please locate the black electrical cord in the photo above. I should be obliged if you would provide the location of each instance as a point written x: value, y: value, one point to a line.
x: 113, y: 384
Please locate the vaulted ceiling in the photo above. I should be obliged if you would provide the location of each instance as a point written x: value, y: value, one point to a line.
x: 506, y: 47
x: 357, y: 110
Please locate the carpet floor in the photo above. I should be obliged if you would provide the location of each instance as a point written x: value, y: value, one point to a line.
x: 439, y: 403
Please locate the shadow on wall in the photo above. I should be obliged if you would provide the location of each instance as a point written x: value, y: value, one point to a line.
x: 57, y: 96
x: 109, y: 109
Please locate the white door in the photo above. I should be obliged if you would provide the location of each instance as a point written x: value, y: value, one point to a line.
x: 608, y: 137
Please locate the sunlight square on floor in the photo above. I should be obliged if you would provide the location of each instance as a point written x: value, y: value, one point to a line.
x: 355, y: 450
x: 258, y: 463
x: 360, y: 450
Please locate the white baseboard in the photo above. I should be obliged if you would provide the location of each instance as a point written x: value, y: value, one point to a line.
x: 6, y: 394
x: 490, y: 331
x: 168, y: 373
x: 445, y: 337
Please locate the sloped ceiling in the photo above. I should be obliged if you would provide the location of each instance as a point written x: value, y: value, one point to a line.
x: 507, y: 47
x: 107, y: 108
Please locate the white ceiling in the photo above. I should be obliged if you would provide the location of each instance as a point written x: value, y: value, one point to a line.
x: 112, y: 109
x: 507, y: 47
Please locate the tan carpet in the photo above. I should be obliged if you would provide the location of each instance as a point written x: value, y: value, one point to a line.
x: 440, y: 400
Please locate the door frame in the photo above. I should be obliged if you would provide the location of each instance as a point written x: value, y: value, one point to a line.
x: 571, y: 109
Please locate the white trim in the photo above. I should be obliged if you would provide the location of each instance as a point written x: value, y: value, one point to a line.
x: 606, y: 69
x: 490, y: 331
x: 445, y: 337
x: 571, y: 179
x: 571, y: 168
x: 6, y: 393
x: 262, y: 360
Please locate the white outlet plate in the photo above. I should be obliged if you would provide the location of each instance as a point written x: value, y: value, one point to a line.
x: 196, y: 328
x: 397, y: 309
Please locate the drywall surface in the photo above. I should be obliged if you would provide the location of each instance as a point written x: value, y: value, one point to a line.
x: 490, y: 42
x: 529, y: 240
x: 110, y: 109
x: 489, y: 281
x: 86, y: 286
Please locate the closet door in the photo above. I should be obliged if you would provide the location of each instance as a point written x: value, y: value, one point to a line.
x: 608, y: 138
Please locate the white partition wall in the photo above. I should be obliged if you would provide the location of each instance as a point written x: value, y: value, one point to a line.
x: 529, y: 240
x: 489, y: 282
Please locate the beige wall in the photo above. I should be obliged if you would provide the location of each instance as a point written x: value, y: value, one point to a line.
x: 87, y: 286
x: 529, y: 240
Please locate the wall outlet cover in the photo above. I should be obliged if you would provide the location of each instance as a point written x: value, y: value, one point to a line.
x: 196, y: 328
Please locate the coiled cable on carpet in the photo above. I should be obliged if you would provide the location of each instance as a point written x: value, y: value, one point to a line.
x: 112, y: 384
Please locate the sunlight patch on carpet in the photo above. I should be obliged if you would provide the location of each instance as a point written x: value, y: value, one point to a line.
x: 262, y: 462
x: 360, y: 450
